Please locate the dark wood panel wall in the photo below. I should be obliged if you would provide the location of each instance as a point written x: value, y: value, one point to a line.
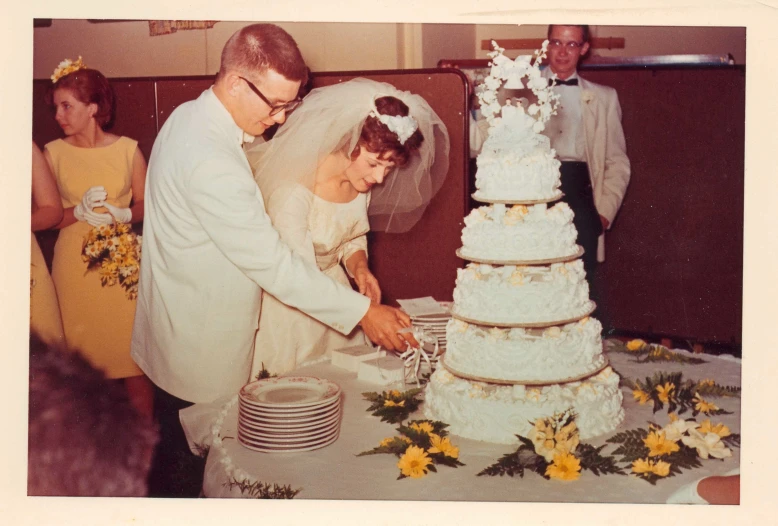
x: 675, y: 254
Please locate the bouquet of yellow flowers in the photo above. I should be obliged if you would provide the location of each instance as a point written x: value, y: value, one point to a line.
x: 420, y: 446
x: 552, y: 449
x: 114, y: 250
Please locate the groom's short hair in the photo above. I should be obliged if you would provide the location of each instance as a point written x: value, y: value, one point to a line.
x: 259, y: 47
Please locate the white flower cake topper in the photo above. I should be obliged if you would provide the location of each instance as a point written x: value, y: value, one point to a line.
x: 402, y: 126
x: 510, y: 73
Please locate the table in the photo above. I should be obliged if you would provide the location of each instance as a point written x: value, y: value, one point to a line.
x: 335, y: 472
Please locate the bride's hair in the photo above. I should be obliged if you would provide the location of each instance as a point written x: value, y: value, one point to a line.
x: 376, y: 137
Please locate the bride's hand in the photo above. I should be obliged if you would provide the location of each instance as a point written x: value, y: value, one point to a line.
x: 367, y: 284
x: 382, y: 325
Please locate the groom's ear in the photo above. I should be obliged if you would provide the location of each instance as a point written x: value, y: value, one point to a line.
x: 231, y: 81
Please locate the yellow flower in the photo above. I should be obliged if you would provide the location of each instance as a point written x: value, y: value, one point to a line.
x: 443, y: 445
x: 564, y: 467
x: 391, y: 403
x: 635, y: 345
x: 707, y: 383
x: 642, y: 465
x: 414, y: 462
x: 673, y: 417
x: 645, y: 466
x: 658, y: 445
x: 703, y: 406
x: 422, y: 427
x: 394, y: 393
x: 665, y: 391
x: 641, y: 396
x: 386, y: 442
x: 567, y: 439
x: 661, y: 468
x: 720, y: 429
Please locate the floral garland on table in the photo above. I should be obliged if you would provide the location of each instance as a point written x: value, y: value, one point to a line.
x: 679, y: 394
x: 420, y: 446
x: 393, y: 406
x: 115, y: 251
x: 553, y: 450
x: 650, y: 352
x: 238, y: 477
x: 660, y: 452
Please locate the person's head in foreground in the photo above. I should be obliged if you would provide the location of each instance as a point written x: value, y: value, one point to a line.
x: 85, y: 438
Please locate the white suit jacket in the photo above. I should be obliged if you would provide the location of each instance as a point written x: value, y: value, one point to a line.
x: 606, y: 150
x: 208, y: 251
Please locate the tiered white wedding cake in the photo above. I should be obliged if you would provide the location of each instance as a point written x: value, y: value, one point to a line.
x: 521, y: 345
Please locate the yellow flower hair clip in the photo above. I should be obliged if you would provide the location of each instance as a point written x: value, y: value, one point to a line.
x: 66, y: 67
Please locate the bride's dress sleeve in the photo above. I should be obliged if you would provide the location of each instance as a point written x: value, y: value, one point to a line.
x: 289, y: 213
x: 358, y: 243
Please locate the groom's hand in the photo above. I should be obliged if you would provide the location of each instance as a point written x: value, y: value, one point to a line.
x: 381, y: 324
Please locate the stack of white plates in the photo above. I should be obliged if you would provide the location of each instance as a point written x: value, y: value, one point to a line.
x: 293, y: 413
x: 434, y: 325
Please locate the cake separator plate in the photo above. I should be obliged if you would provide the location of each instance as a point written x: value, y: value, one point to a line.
x: 526, y: 262
x: 538, y: 383
x: 556, y: 197
x: 538, y: 324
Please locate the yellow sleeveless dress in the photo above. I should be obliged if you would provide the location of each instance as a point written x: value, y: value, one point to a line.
x: 97, y: 320
x: 45, y: 319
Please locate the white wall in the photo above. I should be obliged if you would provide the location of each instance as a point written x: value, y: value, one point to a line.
x: 125, y: 49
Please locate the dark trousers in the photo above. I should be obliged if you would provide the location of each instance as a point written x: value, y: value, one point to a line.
x: 171, y: 467
x: 577, y: 187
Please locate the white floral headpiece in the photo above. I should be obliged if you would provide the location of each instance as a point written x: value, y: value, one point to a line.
x: 401, y: 126
x: 66, y: 67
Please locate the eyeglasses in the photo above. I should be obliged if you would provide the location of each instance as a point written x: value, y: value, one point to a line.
x: 571, y: 46
x: 288, y: 107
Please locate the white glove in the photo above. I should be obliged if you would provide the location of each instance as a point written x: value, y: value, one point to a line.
x: 90, y: 198
x: 122, y: 215
x: 96, y: 218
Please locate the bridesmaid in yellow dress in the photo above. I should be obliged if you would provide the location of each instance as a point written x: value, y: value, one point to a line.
x: 45, y: 319
x: 101, y: 178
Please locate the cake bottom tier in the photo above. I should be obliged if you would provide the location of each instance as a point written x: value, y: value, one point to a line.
x: 497, y: 413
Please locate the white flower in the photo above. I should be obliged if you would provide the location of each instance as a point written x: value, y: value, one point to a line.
x: 675, y: 430
x: 708, y: 445
x: 402, y: 126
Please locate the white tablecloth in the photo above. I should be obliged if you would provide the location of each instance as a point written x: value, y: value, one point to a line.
x: 335, y: 472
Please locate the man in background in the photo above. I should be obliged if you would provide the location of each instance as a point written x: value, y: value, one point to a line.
x: 589, y: 140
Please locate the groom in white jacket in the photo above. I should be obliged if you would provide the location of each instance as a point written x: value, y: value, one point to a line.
x: 209, y: 248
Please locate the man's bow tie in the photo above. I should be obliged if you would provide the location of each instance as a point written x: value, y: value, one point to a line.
x: 560, y: 82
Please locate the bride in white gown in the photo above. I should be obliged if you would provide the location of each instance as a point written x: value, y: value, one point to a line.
x: 355, y: 156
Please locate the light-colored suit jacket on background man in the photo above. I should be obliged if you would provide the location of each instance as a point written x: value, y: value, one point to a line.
x: 605, y: 148
x: 208, y: 251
